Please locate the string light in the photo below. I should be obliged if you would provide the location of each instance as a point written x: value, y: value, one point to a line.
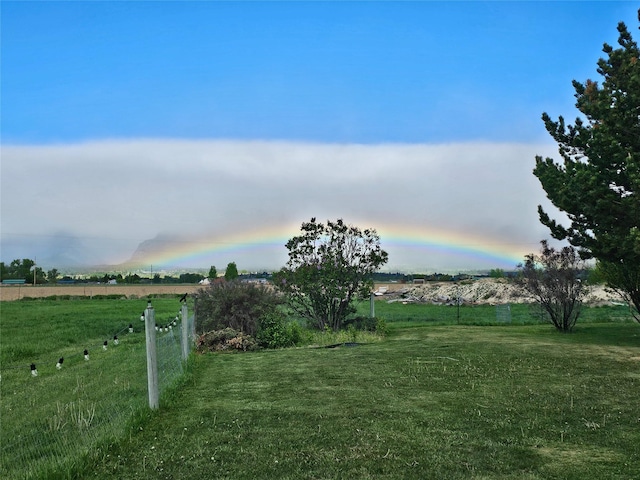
x: 162, y: 328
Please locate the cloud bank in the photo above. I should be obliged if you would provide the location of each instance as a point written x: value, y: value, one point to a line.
x: 107, y: 197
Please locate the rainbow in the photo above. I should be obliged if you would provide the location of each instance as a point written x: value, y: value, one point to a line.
x: 467, y: 248
x: 397, y: 239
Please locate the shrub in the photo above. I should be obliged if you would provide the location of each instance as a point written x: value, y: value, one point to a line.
x: 276, y: 332
x: 237, y: 305
x: 381, y: 326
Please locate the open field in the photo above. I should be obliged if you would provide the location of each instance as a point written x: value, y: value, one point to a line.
x: 431, y: 401
x: 483, y: 291
x: 17, y: 292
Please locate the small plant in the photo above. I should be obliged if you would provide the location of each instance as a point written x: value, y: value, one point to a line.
x: 77, y: 414
x: 381, y: 327
x: 353, y: 333
x: 57, y: 421
x: 276, y: 332
x: 82, y: 415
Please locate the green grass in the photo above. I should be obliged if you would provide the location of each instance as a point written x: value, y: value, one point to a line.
x: 430, y: 402
x: 49, y: 422
x: 521, y: 314
x: 450, y: 401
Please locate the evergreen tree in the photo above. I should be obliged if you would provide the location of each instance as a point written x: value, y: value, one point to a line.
x: 598, y: 183
x: 232, y: 272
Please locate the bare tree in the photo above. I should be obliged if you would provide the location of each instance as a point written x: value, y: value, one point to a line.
x: 553, y: 279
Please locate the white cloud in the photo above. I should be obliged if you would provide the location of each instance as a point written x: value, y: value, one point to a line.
x: 129, y: 191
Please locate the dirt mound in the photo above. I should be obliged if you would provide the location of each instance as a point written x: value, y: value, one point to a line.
x: 483, y: 291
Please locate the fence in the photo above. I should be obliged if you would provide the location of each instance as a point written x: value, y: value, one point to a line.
x: 454, y: 313
x: 89, y: 398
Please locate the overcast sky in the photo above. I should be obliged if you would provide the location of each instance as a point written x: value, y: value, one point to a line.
x: 221, y: 127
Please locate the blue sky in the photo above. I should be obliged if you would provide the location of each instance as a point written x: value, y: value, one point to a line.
x: 122, y: 116
x: 320, y: 71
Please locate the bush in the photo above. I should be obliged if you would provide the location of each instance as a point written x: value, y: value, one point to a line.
x: 276, y: 332
x: 237, y: 305
x: 381, y: 326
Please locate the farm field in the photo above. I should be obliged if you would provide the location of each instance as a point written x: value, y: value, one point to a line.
x: 18, y: 292
x: 432, y: 400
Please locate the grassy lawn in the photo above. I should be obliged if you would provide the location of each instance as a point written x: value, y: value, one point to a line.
x: 430, y: 401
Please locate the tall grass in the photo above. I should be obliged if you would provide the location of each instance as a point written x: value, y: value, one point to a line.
x: 52, y: 421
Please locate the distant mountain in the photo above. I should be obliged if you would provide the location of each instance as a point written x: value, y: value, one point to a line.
x: 59, y: 250
x: 156, y: 247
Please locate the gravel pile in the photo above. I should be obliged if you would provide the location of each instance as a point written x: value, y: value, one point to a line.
x: 483, y: 291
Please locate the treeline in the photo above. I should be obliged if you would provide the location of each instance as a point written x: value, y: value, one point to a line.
x: 23, y: 269
x: 437, y: 277
x: 26, y: 270
x: 135, y: 279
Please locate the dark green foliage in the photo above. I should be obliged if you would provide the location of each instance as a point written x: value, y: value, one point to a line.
x: 329, y: 267
x: 496, y: 273
x: 213, y: 273
x: 191, y: 277
x: 598, y: 183
x: 22, y: 269
x: 52, y: 275
x: 238, y: 305
x: 231, y: 273
x: 277, y: 332
x: 361, y: 323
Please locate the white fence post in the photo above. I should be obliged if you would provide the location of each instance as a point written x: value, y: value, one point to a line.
x: 152, y: 359
x: 372, y: 306
x: 193, y: 324
x: 185, y: 331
